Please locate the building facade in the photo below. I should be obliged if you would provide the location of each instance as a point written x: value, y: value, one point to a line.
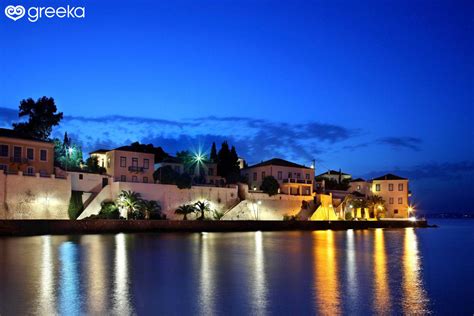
x: 125, y: 165
x: 294, y: 179
x: 208, y: 170
x: 394, y: 190
x: 26, y: 155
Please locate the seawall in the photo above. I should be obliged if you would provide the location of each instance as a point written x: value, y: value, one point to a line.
x: 63, y: 227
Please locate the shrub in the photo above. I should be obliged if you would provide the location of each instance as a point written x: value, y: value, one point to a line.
x: 75, y: 205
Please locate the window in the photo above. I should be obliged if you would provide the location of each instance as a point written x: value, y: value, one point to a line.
x: 280, y: 175
x: 390, y: 200
x: 145, y: 179
x: 43, y: 155
x: 254, y: 176
x: 400, y: 200
x: 3, y: 167
x: 395, y: 211
x: 123, y: 178
x: 400, y: 187
x: 16, y: 154
x: 298, y: 175
x: 146, y: 163
x: 289, y: 175
x: 134, y: 162
x: 307, y: 176
x: 377, y: 187
x: 263, y: 175
x: 4, y: 150
x: 30, y: 171
x: 210, y: 171
x: 134, y: 179
x: 30, y: 154
x: 358, y: 187
x: 81, y: 176
x: 123, y: 162
x: 390, y: 186
x: 108, y: 162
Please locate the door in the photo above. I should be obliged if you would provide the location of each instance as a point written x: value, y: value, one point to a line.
x: 105, y: 181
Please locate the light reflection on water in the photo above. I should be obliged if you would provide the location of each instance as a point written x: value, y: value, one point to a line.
x: 328, y: 272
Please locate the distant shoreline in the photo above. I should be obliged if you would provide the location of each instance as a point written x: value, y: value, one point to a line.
x: 66, y: 227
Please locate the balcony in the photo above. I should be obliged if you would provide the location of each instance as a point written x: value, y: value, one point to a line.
x: 136, y: 169
x: 299, y: 181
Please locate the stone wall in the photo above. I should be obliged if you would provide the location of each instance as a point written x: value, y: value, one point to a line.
x: 169, y: 196
x: 34, y: 197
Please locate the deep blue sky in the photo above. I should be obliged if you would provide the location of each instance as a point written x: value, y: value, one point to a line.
x: 383, y: 86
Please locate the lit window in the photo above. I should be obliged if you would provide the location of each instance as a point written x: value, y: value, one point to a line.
x: 400, y: 200
x: 377, y: 187
x: 390, y: 200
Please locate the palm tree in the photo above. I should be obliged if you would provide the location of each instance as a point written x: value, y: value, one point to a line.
x: 202, y: 206
x: 130, y: 201
x: 376, y: 204
x: 150, y: 207
x: 185, y: 209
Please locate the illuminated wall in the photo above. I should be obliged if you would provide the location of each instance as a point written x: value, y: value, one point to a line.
x: 30, y: 197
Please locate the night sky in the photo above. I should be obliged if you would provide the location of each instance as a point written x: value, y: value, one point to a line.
x: 385, y: 86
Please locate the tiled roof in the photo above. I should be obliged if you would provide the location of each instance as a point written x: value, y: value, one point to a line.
x: 278, y: 162
x: 389, y: 176
x: 333, y: 172
x: 358, y: 180
x: 6, y: 132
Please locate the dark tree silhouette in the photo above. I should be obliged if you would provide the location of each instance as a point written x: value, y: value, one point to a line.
x: 270, y: 185
x: 42, y: 117
x: 213, y: 153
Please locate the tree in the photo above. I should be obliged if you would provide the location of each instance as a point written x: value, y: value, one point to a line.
x: 159, y: 153
x: 92, y: 164
x: 184, y: 181
x: 42, y: 117
x: 184, y: 210
x: 150, y: 209
x: 165, y: 175
x: 213, y: 156
x: 270, y: 185
x: 227, y: 163
x: 130, y: 201
x: 376, y: 205
x: 67, y: 154
x: 202, y: 207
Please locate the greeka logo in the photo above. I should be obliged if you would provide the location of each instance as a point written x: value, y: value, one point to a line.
x: 35, y: 13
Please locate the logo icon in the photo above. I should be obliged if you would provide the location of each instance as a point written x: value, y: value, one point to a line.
x: 15, y: 12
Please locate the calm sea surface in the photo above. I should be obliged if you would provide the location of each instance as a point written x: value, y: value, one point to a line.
x: 299, y: 273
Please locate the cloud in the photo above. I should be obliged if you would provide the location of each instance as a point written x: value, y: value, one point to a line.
x: 401, y: 142
x: 255, y: 139
x: 432, y: 170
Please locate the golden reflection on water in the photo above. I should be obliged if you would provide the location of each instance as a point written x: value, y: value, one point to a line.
x: 414, y: 296
x: 381, y: 288
x: 326, y: 282
x: 351, y: 267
